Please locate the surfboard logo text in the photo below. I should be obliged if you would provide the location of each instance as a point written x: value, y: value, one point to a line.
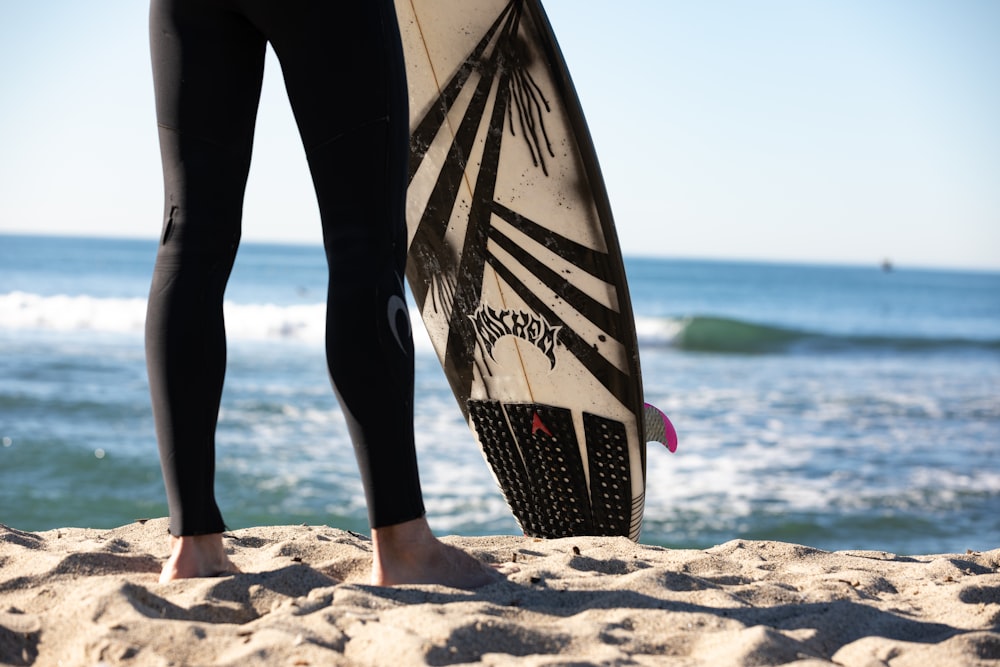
x: 492, y: 325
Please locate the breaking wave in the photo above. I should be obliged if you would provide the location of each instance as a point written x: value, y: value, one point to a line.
x: 303, y: 323
x: 734, y: 336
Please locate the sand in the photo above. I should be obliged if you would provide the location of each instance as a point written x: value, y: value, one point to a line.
x: 79, y: 596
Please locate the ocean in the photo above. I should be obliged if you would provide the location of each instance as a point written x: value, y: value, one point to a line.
x: 834, y: 406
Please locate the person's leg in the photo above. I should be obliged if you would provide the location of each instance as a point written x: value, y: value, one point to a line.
x: 207, y: 67
x: 344, y: 74
x: 347, y: 86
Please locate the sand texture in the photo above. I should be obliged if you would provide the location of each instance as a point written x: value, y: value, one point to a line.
x: 90, y: 597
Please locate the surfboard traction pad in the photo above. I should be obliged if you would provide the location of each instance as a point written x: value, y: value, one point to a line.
x: 534, y: 454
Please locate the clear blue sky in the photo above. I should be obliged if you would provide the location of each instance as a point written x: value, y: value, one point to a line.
x: 805, y: 130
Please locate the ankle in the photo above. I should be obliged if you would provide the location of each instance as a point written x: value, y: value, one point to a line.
x: 402, y: 535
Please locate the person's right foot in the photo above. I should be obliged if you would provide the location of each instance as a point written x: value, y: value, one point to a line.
x: 408, y: 553
x: 196, y: 556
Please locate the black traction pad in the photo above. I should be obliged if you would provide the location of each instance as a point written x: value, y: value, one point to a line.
x: 610, y: 475
x: 536, y: 458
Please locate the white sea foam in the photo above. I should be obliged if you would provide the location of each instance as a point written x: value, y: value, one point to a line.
x: 300, y: 323
x: 658, y: 331
x: 20, y: 310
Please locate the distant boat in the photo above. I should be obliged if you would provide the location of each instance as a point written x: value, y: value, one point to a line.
x: 886, y: 265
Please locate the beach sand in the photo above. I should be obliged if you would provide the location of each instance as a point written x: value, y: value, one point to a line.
x: 79, y: 596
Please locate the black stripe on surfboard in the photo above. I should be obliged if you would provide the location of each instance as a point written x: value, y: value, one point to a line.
x: 436, y: 216
x: 428, y: 241
x: 592, y: 261
x: 423, y: 135
x: 598, y: 313
x: 610, y: 376
x: 638, y: 503
x: 462, y: 339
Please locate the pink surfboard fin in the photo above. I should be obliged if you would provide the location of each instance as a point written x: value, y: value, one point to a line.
x: 658, y: 428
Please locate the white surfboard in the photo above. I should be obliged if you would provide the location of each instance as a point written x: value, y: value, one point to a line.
x: 515, y: 265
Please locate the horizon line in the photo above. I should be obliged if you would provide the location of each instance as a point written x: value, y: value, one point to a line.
x: 880, y: 263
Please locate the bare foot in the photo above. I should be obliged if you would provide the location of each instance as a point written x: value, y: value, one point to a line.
x: 408, y: 553
x: 196, y: 556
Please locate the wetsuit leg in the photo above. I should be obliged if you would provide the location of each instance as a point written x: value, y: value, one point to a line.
x: 344, y: 74
x: 208, y: 67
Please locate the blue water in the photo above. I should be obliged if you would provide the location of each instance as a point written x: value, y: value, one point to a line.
x: 839, y: 407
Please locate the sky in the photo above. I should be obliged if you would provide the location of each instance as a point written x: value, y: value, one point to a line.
x: 834, y: 131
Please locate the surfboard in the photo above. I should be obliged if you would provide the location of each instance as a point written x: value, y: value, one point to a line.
x: 515, y: 265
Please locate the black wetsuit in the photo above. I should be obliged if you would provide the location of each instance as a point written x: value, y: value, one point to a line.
x: 343, y: 68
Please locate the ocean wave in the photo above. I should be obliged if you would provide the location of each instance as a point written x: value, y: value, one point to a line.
x: 305, y: 323
x: 21, y: 310
x: 734, y: 336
